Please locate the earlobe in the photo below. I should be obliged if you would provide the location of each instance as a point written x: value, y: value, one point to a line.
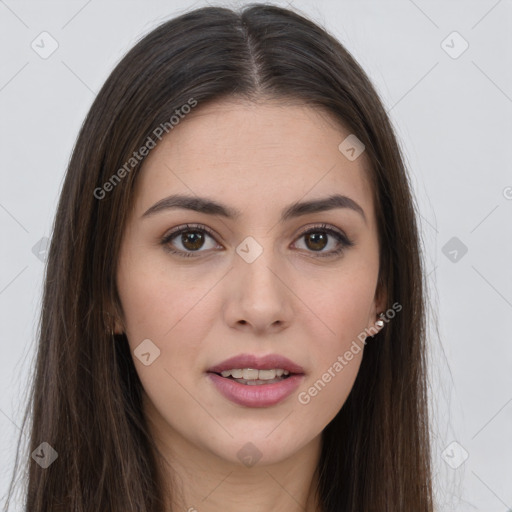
x: 380, y: 305
x: 118, y: 328
x: 380, y: 322
x: 377, y: 325
x: 113, y: 325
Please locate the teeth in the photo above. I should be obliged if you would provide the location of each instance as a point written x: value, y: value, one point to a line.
x: 250, y: 374
x: 253, y: 374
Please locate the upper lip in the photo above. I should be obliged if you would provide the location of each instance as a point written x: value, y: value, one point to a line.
x: 269, y: 361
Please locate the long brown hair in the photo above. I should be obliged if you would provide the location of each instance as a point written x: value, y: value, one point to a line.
x: 86, y: 394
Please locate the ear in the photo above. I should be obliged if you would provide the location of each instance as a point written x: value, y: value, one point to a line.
x: 114, y: 320
x: 118, y: 327
x: 381, y: 299
x: 378, y: 306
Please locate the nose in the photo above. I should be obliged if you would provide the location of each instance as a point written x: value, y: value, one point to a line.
x: 258, y: 297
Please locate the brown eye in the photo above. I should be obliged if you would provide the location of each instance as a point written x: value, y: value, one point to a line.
x: 316, y: 241
x: 192, y: 240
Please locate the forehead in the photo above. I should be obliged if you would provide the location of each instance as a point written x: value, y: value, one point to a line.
x: 254, y: 155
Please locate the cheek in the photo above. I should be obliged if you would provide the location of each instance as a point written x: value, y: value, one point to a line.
x: 172, y: 309
x: 153, y: 299
x: 341, y: 307
x: 166, y: 309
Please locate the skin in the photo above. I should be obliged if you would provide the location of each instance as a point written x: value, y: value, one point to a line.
x: 257, y: 158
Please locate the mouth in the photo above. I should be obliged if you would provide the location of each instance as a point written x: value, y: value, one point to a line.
x: 255, y: 392
x: 251, y: 380
x: 255, y: 377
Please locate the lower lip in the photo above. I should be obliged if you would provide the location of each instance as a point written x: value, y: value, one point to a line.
x: 262, y: 395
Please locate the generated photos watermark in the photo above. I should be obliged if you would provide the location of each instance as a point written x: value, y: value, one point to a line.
x: 138, y: 156
x: 304, y: 397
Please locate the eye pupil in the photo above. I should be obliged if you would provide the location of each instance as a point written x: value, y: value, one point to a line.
x: 316, y: 238
x: 195, y: 237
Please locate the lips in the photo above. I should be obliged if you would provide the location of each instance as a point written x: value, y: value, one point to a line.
x: 267, y: 362
x: 263, y: 395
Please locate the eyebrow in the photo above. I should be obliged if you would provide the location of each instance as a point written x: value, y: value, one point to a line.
x: 211, y: 207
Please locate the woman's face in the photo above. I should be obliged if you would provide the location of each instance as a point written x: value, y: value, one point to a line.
x: 244, y: 279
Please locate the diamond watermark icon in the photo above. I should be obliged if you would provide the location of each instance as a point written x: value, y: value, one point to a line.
x: 454, y: 249
x: 40, y: 249
x: 249, y: 249
x: 44, y: 455
x: 147, y: 352
x: 454, y: 45
x: 44, y: 45
x: 454, y: 455
x: 249, y: 454
x: 351, y: 147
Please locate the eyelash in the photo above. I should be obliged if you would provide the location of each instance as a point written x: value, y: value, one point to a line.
x: 323, y: 228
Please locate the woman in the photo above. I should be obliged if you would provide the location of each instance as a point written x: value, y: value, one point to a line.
x: 233, y: 314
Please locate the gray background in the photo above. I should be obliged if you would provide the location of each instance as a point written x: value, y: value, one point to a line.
x: 453, y: 115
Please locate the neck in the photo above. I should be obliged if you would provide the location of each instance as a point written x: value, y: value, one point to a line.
x: 199, y: 480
